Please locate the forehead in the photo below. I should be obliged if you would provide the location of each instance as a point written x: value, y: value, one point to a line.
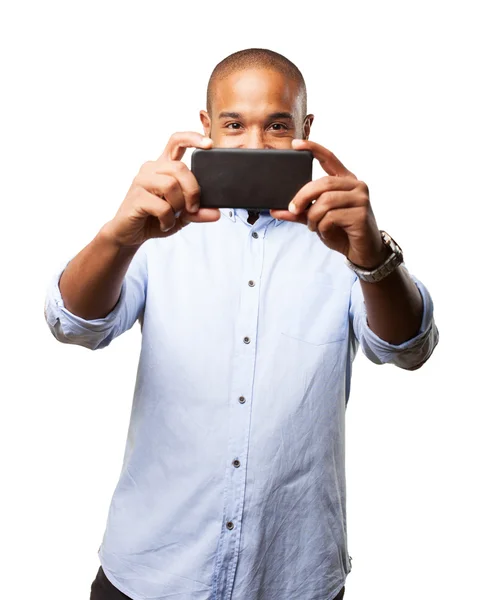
x: 255, y: 89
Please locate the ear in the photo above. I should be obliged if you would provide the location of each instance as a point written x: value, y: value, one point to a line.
x: 308, y: 121
x: 206, y: 122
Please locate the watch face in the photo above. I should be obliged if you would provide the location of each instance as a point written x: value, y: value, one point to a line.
x: 389, y: 241
x: 395, y: 247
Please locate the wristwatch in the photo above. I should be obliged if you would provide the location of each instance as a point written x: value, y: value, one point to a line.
x: 393, y: 261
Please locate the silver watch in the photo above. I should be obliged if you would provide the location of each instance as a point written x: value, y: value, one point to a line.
x: 392, y: 262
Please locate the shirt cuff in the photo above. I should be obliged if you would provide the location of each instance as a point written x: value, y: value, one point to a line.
x: 63, y: 321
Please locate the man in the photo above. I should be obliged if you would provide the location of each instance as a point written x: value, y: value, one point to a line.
x: 233, y: 478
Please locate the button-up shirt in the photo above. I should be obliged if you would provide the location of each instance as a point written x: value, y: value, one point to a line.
x: 233, y: 477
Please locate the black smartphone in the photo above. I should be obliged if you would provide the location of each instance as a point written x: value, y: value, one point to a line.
x: 251, y: 179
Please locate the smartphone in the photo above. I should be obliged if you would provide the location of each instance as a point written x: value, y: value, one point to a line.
x: 251, y: 179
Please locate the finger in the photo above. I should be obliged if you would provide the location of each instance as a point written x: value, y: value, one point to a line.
x: 179, y: 142
x: 329, y: 201
x: 342, y: 218
x: 167, y: 189
x: 187, y: 181
x: 314, y: 189
x: 331, y: 233
x: 286, y: 215
x: 204, y: 215
x: 330, y: 163
x: 164, y: 186
x: 151, y: 204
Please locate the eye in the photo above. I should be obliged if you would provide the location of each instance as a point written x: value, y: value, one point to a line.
x: 279, y: 127
x: 233, y: 125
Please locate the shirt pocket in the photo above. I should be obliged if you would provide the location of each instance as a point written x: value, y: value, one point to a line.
x: 318, y: 309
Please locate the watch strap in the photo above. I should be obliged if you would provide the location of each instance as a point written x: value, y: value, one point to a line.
x: 392, y: 262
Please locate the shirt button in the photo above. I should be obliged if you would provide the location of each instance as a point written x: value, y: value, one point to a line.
x: 255, y: 235
x: 231, y: 213
x: 236, y: 463
x: 230, y: 525
x: 241, y: 399
x: 246, y: 340
x: 251, y: 283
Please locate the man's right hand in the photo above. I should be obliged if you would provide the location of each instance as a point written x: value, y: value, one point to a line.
x: 163, y: 198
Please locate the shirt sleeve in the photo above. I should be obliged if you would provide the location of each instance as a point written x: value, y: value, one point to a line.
x: 98, y: 333
x: 409, y: 355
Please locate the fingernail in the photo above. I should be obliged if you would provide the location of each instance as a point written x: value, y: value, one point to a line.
x: 293, y: 208
x: 164, y: 230
x: 195, y: 208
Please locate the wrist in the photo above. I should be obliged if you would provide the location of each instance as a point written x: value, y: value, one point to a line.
x: 372, y: 261
x: 107, y: 238
x: 381, y: 265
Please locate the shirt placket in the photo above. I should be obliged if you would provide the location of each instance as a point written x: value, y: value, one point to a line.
x: 240, y: 406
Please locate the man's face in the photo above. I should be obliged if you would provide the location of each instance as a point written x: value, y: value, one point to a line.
x: 255, y: 108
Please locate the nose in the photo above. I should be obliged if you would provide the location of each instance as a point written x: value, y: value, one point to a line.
x: 255, y: 140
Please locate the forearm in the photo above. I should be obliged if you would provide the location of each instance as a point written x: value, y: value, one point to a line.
x: 394, y: 307
x: 91, y: 283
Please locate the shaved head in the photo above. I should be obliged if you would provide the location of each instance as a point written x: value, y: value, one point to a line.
x: 256, y: 58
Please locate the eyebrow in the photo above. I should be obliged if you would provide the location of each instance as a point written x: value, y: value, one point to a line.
x: 281, y: 115
x: 276, y: 115
x: 229, y: 115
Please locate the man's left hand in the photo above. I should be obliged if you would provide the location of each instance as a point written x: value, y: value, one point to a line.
x: 337, y: 208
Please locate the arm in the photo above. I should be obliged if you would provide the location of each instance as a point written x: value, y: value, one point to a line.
x: 101, y: 291
x: 394, y: 307
x: 409, y: 354
x: 162, y: 190
x: 338, y: 210
x: 91, y: 283
x: 85, y: 311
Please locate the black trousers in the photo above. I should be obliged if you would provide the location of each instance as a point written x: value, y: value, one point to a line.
x: 103, y: 589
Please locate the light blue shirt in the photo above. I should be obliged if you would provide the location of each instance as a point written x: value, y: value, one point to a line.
x: 233, y: 478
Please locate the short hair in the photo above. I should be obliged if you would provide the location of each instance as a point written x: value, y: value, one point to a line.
x: 259, y: 58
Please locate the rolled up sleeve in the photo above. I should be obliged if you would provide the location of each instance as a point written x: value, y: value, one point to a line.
x: 409, y: 355
x: 98, y: 333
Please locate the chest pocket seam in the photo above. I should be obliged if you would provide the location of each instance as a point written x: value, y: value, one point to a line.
x: 330, y: 324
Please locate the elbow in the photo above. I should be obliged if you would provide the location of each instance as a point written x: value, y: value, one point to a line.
x: 425, y: 353
x: 414, y: 367
x: 85, y: 340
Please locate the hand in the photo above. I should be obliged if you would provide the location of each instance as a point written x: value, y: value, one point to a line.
x: 337, y: 208
x: 163, y: 198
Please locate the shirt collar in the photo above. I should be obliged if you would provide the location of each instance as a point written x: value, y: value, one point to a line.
x: 231, y: 213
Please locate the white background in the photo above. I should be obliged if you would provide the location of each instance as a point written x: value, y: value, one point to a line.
x: 91, y: 90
